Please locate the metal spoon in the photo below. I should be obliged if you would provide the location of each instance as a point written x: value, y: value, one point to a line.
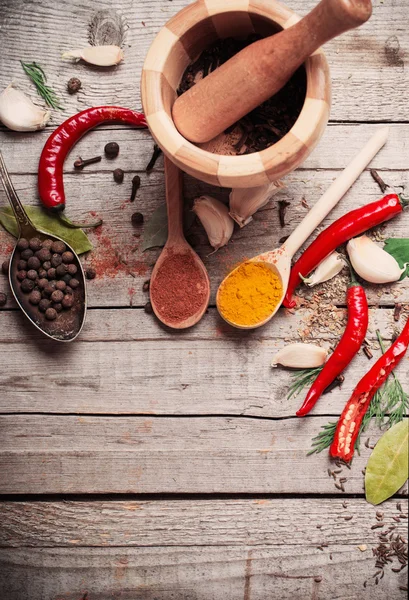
x: 177, y: 245
x: 68, y: 324
x: 279, y: 260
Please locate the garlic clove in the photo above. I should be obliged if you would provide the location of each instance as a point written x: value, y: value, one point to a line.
x: 17, y: 111
x: 101, y: 56
x: 327, y: 269
x: 244, y: 202
x: 371, y: 262
x: 300, y: 356
x: 215, y: 219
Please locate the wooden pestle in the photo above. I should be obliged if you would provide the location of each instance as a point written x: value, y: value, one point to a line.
x: 261, y: 69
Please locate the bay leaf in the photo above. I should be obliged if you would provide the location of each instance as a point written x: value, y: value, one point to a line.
x: 49, y: 223
x: 155, y: 232
x: 399, y: 249
x: 387, y: 468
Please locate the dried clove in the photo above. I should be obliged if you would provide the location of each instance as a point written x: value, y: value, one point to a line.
x: 376, y: 177
x: 118, y: 175
x: 73, y: 85
x: 282, y: 209
x: 80, y: 163
x: 155, y: 155
x: 136, y: 183
x: 397, y: 311
x: 111, y: 150
x: 338, y: 381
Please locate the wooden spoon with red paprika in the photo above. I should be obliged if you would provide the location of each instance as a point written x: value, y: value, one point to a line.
x: 180, y: 288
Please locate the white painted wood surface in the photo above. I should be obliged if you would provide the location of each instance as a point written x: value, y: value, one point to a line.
x: 132, y: 408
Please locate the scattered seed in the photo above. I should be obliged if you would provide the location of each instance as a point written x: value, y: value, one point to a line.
x: 343, y: 480
x: 330, y: 556
x: 367, y: 443
x: 399, y: 506
x: 379, y: 514
x: 397, y: 311
x: 378, y: 525
x: 339, y: 487
x: 318, y: 579
x: 396, y: 519
x: 320, y: 548
x: 329, y: 472
x: 345, y: 504
x: 339, y: 471
x: 347, y: 517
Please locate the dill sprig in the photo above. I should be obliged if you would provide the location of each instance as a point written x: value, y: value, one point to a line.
x: 302, y: 378
x: 390, y: 398
x: 39, y: 78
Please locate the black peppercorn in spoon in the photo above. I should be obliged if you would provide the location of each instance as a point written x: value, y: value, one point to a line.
x: 64, y: 319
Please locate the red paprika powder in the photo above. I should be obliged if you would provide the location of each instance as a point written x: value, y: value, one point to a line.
x: 179, y: 288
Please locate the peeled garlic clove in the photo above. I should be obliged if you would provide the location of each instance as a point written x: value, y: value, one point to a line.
x: 244, y: 202
x: 327, y: 269
x: 215, y: 218
x: 300, y: 356
x: 371, y: 262
x: 101, y: 56
x: 17, y: 112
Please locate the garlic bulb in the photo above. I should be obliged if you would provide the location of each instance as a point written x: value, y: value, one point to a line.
x: 371, y: 262
x: 244, y: 202
x: 102, y: 56
x: 327, y: 269
x: 215, y: 218
x: 17, y: 112
x: 300, y: 356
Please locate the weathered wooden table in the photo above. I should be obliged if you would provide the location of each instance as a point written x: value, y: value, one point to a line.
x: 142, y: 463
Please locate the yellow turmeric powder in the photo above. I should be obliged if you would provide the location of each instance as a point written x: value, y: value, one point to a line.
x: 250, y: 294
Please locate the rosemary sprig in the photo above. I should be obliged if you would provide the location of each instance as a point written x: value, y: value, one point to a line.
x: 323, y: 439
x: 302, y: 378
x: 39, y: 78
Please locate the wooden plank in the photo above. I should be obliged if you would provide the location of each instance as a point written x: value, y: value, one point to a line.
x: 199, y: 522
x: 53, y: 454
x: 364, y: 66
x: 136, y: 149
x: 121, y: 285
x: 126, y: 363
x: 197, y: 573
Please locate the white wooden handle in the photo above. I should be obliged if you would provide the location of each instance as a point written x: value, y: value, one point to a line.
x: 335, y: 192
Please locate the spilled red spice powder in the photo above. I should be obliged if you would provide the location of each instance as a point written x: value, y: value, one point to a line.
x: 179, y: 288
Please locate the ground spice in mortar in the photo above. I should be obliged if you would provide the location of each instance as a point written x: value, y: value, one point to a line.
x: 250, y: 294
x: 179, y: 289
x: 267, y: 123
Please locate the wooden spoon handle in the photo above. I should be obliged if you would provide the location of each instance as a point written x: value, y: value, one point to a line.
x: 260, y: 70
x: 174, y: 201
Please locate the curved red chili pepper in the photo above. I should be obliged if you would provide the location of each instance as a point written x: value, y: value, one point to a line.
x: 346, y: 349
x: 343, y: 229
x: 349, y: 423
x: 50, y: 168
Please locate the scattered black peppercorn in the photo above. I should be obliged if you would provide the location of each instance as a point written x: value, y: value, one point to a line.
x: 61, y: 270
x: 33, y: 263
x: 51, y: 314
x: 47, y: 265
x: 42, y: 273
x: 58, y: 307
x: 69, y: 290
x: 44, y: 304
x: 56, y: 260
x: 27, y: 285
x: 74, y: 283
x: 118, y: 175
x: 22, y: 265
x: 148, y: 308
x: 43, y: 254
x: 136, y: 184
x: 5, y: 267
x: 58, y: 247
x: 21, y: 275
x: 146, y: 285
x: 51, y: 273
x: 22, y: 244
x: 73, y: 85
x: 66, y: 278
x: 137, y: 218
x: 35, y: 297
x: 67, y: 301
x: 32, y: 274
x: 57, y: 296
x: 47, y: 244
x: 67, y: 257
x: 42, y: 283
x: 35, y: 244
x: 72, y: 269
x: 111, y: 150
x: 3, y: 299
x: 90, y: 273
x: 60, y: 285
x: 26, y: 254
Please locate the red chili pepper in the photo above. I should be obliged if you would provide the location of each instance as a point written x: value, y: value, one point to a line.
x: 350, y: 420
x: 343, y: 229
x: 347, y: 347
x: 50, y: 168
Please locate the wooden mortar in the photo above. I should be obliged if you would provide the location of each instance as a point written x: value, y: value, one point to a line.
x: 179, y: 43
